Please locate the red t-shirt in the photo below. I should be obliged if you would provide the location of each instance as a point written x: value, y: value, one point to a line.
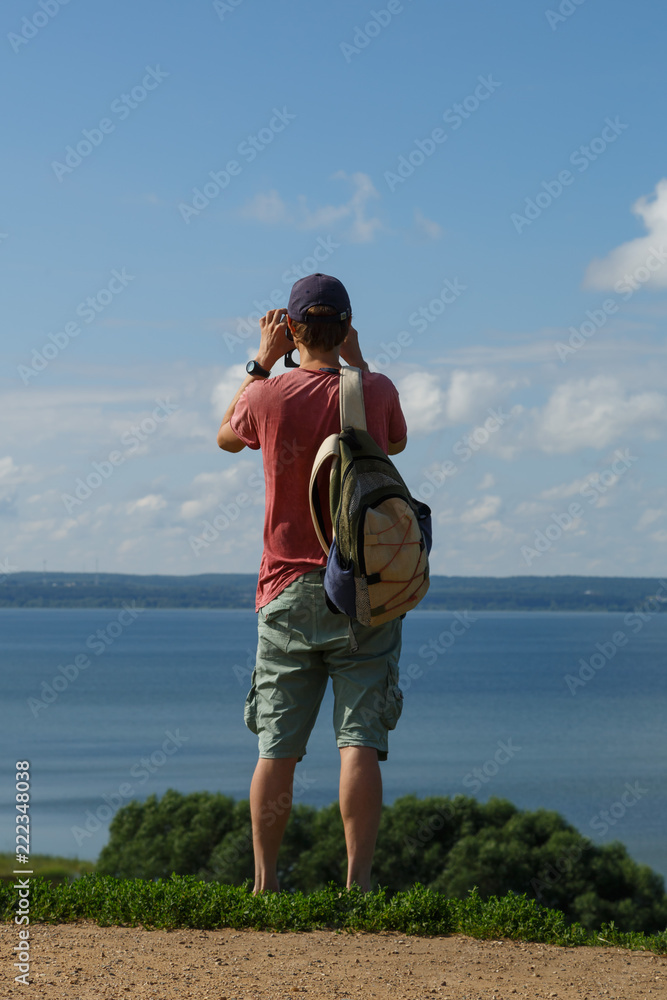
x: 288, y: 417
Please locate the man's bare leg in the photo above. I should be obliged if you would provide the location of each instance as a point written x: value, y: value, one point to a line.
x: 360, y: 807
x: 270, y: 804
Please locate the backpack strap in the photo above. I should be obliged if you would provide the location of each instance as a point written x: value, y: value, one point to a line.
x: 352, y: 414
x: 330, y: 448
x: 352, y: 409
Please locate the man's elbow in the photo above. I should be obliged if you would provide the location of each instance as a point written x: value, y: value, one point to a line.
x: 396, y: 449
x: 230, y: 446
x: 228, y: 441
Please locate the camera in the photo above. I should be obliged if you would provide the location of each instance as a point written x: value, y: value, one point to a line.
x: 289, y: 362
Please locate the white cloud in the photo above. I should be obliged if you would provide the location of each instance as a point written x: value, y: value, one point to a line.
x: 268, y: 208
x: 648, y: 517
x: 209, y: 489
x: 529, y: 509
x: 470, y: 393
x: 152, y: 502
x: 476, y: 512
x: 49, y: 413
x: 66, y: 527
x: 648, y: 252
x: 271, y: 209
x: 429, y: 406
x: 225, y: 389
x: 487, y: 482
x: 13, y: 475
x: 565, y: 490
x: 595, y: 413
x: 497, y: 531
x: 427, y: 228
x: 423, y: 401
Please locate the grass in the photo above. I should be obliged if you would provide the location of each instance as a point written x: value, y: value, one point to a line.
x: 183, y: 901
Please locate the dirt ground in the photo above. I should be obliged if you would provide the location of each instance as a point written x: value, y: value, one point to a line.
x: 83, y: 961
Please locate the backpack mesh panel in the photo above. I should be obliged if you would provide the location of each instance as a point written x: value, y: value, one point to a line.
x: 366, y: 483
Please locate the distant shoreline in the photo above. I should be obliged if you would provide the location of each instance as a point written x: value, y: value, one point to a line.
x: 236, y: 591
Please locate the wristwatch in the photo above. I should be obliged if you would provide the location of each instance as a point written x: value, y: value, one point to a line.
x: 253, y: 368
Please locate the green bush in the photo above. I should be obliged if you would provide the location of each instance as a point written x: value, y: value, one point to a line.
x: 446, y: 844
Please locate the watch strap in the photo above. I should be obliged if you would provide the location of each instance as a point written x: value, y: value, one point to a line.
x: 254, y: 368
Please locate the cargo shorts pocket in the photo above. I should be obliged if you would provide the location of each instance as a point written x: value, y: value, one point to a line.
x: 250, y: 708
x: 274, y: 623
x: 393, y: 703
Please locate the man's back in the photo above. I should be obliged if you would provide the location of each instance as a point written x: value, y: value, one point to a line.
x: 302, y: 643
x: 288, y: 417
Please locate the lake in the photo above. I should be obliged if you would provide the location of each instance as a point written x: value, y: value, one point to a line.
x: 564, y: 711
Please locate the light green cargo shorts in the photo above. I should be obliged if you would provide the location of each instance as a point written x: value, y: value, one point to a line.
x: 300, y: 645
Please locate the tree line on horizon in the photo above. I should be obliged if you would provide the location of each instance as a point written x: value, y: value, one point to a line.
x: 211, y: 590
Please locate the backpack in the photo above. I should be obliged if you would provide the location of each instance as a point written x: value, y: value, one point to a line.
x: 377, y: 561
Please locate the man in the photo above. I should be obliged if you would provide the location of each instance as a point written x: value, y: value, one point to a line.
x: 301, y: 643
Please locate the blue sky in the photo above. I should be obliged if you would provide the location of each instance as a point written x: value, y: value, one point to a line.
x: 487, y: 179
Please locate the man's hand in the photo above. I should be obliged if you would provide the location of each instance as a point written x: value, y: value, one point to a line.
x: 274, y: 343
x: 351, y: 352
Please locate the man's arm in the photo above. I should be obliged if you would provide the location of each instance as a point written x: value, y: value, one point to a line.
x: 227, y: 439
x: 351, y: 352
x: 273, y: 345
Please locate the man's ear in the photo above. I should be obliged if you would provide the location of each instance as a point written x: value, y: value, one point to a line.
x: 290, y: 325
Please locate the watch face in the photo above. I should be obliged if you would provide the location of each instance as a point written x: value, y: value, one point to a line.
x: 253, y: 368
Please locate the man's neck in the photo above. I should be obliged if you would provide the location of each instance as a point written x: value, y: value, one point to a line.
x: 313, y: 360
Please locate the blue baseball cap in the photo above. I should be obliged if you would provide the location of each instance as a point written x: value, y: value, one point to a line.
x: 318, y: 290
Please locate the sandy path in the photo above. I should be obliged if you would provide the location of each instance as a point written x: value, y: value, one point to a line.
x: 83, y: 961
